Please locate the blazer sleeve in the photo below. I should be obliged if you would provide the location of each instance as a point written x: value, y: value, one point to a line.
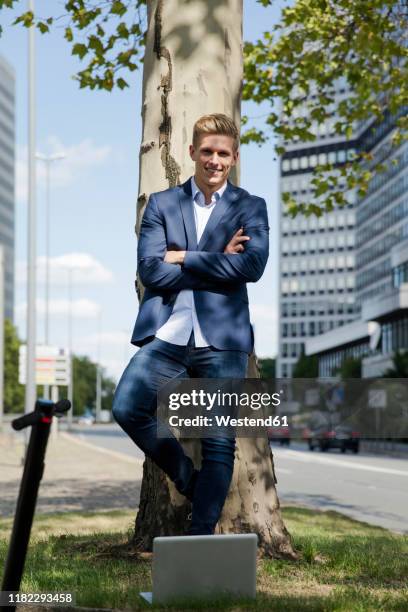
x: 245, y: 267
x: 151, y: 249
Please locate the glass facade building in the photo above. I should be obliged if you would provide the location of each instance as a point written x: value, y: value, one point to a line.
x: 7, y: 165
x: 382, y: 215
x: 317, y: 255
x: 381, y: 251
x: 330, y: 362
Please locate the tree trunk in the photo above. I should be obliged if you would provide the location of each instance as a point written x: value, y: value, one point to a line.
x: 192, y: 67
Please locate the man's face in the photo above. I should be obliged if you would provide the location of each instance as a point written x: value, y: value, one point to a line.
x: 214, y: 157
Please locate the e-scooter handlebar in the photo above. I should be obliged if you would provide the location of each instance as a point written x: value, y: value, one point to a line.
x: 44, y: 409
x: 25, y: 421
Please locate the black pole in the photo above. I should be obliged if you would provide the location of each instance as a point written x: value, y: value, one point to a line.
x: 40, y: 420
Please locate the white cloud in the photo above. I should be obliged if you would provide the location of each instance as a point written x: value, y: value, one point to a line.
x: 107, y: 340
x: 263, y: 313
x: 85, y: 269
x: 80, y: 308
x: 79, y: 158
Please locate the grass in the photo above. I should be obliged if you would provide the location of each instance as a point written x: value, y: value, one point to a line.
x: 346, y: 565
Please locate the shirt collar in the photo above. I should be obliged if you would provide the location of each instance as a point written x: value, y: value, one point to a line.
x: 215, y: 196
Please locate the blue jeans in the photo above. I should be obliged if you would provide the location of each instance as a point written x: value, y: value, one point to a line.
x: 134, y: 408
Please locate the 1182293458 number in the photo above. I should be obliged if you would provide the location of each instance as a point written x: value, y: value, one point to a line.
x: 18, y: 598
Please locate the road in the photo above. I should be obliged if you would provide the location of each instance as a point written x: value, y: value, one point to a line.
x: 110, y: 437
x: 365, y: 487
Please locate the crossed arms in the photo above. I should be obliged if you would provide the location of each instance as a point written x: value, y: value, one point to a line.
x: 175, y: 270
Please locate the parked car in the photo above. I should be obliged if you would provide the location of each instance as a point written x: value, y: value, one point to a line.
x: 88, y: 418
x: 279, y: 434
x: 341, y: 436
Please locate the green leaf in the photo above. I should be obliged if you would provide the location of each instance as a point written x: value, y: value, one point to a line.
x: 43, y: 27
x: 121, y: 83
x: 96, y: 44
x: 118, y: 8
x: 79, y: 49
x: 68, y: 34
x: 26, y: 19
x: 122, y: 30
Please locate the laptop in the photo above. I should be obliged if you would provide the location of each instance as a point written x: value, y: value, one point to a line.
x: 203, y: 567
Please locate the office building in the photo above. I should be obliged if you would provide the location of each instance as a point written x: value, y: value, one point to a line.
x: 317, y: 255
x: 381, y: 264
x: 7, y: 167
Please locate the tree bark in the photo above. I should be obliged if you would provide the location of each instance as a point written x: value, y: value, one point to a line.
x: 192, y: 67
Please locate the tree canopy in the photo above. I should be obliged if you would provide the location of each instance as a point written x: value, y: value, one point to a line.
x: 307, y: 366
x: 267, y: 367
x: 400, y: 366
x: 84, y: 379
x: 350, y: 368
x: 317, y: 45
x: 84, y: 376
x: 13, y: 391
x: 294, y: 68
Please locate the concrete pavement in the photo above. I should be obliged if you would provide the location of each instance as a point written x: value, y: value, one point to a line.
x: 77, y: 476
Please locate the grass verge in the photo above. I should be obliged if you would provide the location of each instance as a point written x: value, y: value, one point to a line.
x: 346, y: 565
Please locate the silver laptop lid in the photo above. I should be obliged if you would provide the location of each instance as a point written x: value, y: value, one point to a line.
x: 204, y: 566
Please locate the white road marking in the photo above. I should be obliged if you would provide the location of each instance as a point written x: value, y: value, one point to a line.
x: 305, y: 458
x: 284, y: 471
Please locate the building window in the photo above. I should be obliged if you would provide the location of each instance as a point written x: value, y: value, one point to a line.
x: 341, y: 156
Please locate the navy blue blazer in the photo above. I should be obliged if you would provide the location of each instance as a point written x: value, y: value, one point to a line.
x: 218, y: 279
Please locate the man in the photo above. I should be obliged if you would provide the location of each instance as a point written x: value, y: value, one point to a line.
x: 199, y: 244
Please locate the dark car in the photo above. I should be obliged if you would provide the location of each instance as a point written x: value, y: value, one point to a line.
x: 279, y: 434
x: 341, y: 437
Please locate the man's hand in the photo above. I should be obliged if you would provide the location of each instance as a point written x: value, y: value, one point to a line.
x: 235, y: 245
x: 174, y: 257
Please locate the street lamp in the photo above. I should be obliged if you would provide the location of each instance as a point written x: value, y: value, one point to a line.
x: 48, y: 160
x: 30, y: 390
x: 71, y: 361
x: 98, y: 403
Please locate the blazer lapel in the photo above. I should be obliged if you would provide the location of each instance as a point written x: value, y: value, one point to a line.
x: 186, y: 205
x: 220, y: 210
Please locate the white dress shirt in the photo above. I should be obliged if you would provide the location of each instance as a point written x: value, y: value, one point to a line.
x: 183, y: 319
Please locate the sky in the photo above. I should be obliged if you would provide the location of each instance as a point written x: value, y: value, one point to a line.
x: 94, y: 193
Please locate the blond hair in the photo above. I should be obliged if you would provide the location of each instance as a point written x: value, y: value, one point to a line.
x: 216, y: 123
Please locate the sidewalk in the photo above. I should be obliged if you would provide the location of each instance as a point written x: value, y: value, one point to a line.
x: 386, y: 448
x: 77, y: 476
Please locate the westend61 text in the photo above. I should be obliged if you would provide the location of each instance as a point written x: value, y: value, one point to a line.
x: 206, y: 400
x: 227, y: 421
